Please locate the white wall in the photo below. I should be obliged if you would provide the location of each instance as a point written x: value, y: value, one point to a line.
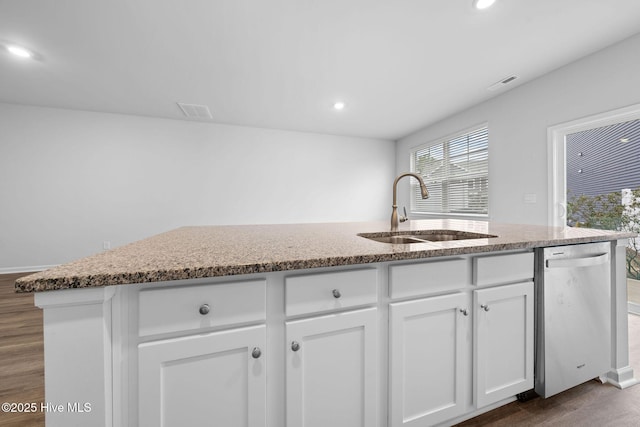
x: 518, y: 122
x: 70, y: 180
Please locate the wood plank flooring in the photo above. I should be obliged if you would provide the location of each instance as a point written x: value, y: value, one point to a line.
x: 21, y: 354
x: 22, y: 379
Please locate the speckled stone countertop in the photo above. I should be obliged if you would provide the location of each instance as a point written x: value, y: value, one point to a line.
x: 209, y: 251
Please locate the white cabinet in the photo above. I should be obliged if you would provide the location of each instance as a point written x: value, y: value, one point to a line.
x: 215, y: 379
x: 460, y: 338
x: 210, y: 376
x: 317, y: 293
x: 501, y: 269
x: 331, y: 370
x: 429, y: 353
x: 453, y: 353
x: 427, y: 278
x: 191, y: 308
x: 503, y: 351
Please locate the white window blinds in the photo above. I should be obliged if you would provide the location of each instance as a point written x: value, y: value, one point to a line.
x: 456, y: 172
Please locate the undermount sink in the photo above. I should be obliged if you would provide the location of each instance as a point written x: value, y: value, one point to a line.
x: 398, y: 240
x: 423, y: 236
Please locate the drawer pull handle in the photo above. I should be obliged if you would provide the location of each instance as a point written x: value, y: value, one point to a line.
x: 464, y: 311
x: 295, y: 346
x: 256, y: 353
x: 485, y: 307
x: 336, y: 293
x: 204, y: 309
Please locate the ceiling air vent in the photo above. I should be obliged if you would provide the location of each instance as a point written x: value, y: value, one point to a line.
x: 194, y: 111
x: 502, y: 83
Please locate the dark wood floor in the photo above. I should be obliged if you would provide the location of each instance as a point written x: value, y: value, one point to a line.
x: 21, y: 354
x: 22, y: 379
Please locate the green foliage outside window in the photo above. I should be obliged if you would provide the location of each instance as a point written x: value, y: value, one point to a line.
x: 607, y: 212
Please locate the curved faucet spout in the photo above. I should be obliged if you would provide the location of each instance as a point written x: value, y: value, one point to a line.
x: 394, y: 208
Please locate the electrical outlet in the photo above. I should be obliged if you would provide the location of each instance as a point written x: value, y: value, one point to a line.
x: 106, y: 245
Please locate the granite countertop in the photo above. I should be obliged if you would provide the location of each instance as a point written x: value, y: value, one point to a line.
x: 209, y: 251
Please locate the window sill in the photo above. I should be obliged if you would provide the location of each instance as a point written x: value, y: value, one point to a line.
x: 425, y: 215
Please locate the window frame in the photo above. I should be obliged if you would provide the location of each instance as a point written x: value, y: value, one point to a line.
x: 446, y: 155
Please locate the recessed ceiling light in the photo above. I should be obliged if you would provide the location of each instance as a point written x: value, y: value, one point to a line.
x: 19, y: 51
x: 339, y: 105
x: 624, y: 140
x: 483, y: 4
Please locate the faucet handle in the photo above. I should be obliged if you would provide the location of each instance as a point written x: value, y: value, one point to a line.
x: 404, y: 217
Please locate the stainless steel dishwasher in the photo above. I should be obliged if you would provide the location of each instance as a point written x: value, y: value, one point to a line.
x: 573, y: 316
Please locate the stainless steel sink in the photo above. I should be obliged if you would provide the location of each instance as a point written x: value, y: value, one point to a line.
x: 398, y: 240
x: 423, y: 236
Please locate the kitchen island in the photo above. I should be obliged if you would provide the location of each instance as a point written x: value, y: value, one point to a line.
x: 304, y: 324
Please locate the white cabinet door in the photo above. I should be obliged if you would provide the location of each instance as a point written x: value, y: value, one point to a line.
x: 216, y: 379
x: 503, y: 350
x: 430, y: 346
x: 331, y: 368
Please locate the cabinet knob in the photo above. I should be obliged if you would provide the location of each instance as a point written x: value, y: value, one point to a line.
x: 256, y: 353
x: 295, y: 346
x: 464, y: 311
x: 485, y: 307
x: 336, y: 293
x: 204, y: 309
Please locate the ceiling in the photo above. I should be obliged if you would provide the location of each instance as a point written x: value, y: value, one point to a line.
x: 399, y: 65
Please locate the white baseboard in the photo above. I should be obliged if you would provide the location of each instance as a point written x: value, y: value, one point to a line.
x: 622, y: 378
x: 25, y: 269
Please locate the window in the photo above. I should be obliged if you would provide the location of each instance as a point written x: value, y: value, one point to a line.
x: 456, y: 172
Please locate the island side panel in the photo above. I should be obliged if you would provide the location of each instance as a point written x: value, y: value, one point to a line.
x: 78, y: 357
x: 621, y: 374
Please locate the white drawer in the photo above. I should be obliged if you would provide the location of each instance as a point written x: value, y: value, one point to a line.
x: 330, y: 291
x: 178, y: 308
x: 508, y: 268
x: 408, y: 280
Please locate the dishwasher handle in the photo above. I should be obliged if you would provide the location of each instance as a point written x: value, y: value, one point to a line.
x: 578, y: 262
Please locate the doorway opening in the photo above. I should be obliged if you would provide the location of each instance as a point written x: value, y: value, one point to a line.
x: 595, y: 180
